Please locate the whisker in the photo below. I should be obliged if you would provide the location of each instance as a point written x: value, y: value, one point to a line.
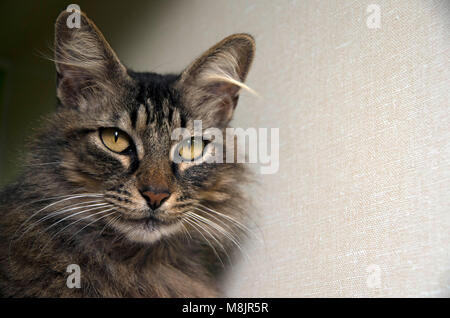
x: 194, y: 226
x: 33, y: 225
x: 209, y: 222
x: 93, y: 222
x: 219, y: 220
x: 205, y: 228
x: 72, y: 215
x: 212, y: 227
x: 57, y: 197
x: 122, y: 235
x: 79, y: 220
x: 54, y: 235
x: 109, y: 223
x: 67, y: 209
x: 185, y: 230
x: 43, y: 164
x: 243, y: 227
x: 62, y: 197
x: 219, y: 228
x: 70, y: 197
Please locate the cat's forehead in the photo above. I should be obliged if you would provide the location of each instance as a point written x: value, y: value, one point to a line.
x: 151, y: 105
x: 156, y: 102
x: 148, y: 120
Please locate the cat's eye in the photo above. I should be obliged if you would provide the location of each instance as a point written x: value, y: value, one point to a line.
x: 191, y: 149
x: 115, y: 139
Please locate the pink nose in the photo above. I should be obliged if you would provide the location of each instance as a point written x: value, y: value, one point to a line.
x: 155, y: 199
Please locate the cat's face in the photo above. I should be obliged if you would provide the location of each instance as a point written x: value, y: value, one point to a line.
x: 114, y: 127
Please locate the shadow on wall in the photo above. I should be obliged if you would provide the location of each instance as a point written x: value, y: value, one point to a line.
x: 27, y: 77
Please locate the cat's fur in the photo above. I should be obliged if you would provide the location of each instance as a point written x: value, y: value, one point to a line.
x: 68, y: 170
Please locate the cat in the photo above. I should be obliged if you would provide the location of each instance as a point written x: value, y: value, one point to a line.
x: 100, y: 192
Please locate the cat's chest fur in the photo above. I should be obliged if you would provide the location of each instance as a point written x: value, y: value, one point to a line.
x: 114, y: 271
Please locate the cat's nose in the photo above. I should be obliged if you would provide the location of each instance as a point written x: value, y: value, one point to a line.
x: 155, y: 197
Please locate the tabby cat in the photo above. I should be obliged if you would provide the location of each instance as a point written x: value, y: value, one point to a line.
x: 99, y: 188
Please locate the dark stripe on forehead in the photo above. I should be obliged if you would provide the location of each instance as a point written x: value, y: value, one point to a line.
x: 162, y: 102
x: 150, y: 111
x: 170, y: 115
x: 115, y: 117
x: 183, y: 119
x: 133, y: 116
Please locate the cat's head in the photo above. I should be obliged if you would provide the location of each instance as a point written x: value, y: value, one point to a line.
x: 112, y: 132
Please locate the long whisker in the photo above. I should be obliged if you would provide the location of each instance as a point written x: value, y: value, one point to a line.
x: 53, y: 236
x: 109, y: 223
x: 33, y: 225
x: 231, y: 231
x: 71, y: 197
x: 194, y: 226
x: 74, y: 214
x: 93, y: 222
x: 76, y: 206
x: 185, y: 229
x: 243, y: 227
x: 228, y: 226
x: 43, y: 164
x: 60, y: 197
x: 212, y: 227
x: 79, y: 220
x: 219, y: 228
x: 122, y: 235
x: 211, y: 223
x: 205, y: 228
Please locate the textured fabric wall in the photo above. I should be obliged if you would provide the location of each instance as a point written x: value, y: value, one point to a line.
x: 361, y: 203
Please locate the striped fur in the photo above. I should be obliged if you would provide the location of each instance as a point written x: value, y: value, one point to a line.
x: 77, y: 202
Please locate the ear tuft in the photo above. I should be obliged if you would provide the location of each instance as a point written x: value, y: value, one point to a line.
x: 231, y: 58
x: 212, y: 82
x: 85, y: 63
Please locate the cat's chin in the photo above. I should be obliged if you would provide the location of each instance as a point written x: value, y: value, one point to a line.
x: 149, y: 230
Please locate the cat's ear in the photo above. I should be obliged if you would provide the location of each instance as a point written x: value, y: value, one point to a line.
x: 86, y: 65
x: 211, y: 84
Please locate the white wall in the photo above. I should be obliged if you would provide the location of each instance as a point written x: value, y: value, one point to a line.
x: 363, y: 187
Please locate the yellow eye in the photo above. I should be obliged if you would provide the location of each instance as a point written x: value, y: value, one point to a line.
x: 115, y: 139
x: 191, y: 149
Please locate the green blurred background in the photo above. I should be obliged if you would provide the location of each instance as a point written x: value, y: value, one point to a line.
x: 27, y: 77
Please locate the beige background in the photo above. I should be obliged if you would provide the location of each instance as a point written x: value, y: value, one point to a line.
x: 361, y: 203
